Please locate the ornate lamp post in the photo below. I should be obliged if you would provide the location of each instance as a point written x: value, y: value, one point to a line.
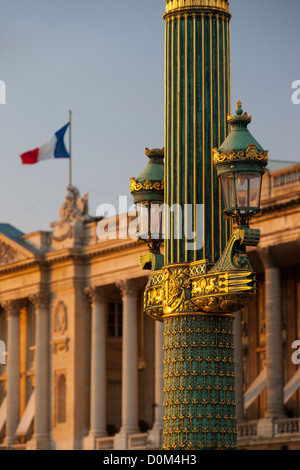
x: 196, y: 289
x: 148, y: 195
x: 240, y: 164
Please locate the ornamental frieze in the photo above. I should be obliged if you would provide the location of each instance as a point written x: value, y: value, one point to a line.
x: 178, y: 5
x: 146, y: 186
x: 225, y: 287
x: 250, y: 154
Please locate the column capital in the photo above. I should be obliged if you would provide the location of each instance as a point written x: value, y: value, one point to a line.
x: 95, y: 294
x: 211, y: 6
x: 128, y: 287
x: 11, y: 307
x: 40, y: 300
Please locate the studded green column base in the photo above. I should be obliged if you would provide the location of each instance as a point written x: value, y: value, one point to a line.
x: 199, y: 382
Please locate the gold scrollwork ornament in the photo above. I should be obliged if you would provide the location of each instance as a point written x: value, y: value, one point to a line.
x: 174, y: 285
x: 146, y: 186
x: 251, y: 153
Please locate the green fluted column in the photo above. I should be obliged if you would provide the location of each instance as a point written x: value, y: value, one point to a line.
x: 199, y: 392
x: 197, y: 101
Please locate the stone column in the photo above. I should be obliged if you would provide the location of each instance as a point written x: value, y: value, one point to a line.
x: 274, y: 343
x: 41, y: 439
x: 274, y: 350
x: 98, y: 367
x: 238, y: 359
x: 154, y: 436
x: 11, y: 308
x: 129, y: 365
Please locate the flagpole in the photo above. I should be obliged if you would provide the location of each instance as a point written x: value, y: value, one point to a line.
x: 70, y: 148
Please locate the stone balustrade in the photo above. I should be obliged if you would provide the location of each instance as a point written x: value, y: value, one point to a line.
x: 287, y: 426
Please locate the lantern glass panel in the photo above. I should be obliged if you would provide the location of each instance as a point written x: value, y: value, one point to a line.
x: 157, y: 220
x: 142, y: 220
x: 228, y: 190
x: 150, y: 219
x: 242, y: 190
x: 247, y: 190
x: 255, y: 190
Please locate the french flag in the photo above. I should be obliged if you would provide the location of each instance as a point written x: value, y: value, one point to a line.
x: 54, y: 147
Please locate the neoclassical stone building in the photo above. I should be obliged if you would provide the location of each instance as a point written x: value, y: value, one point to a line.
x: 83, y: 366
x: 267, y: 379
x: 80, y: 354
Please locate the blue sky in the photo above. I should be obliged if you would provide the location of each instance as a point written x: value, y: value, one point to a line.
x: 105, y: 61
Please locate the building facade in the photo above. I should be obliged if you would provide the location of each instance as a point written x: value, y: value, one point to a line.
x: 267, y: 370
x: 83, y: 366
x: 78, y: 359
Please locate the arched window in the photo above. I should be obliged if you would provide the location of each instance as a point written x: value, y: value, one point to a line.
x: 61, y: 399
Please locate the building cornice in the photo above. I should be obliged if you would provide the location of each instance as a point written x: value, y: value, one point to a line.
x: 96, y: 250
x: 62, y: 255
x: 280, y: 203
x: 68, y: 254
x: 36, y: 260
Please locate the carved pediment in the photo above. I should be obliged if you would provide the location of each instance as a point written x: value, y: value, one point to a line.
x: 8, y: 254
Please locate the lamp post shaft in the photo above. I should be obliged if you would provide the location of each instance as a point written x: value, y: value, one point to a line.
x: 204, y: 275
x: 197, y: 101
x: 195, y: 287
x: 199, y: 398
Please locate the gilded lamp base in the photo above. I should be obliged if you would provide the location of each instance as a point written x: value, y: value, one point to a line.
x: 183, y: 288
x: 195, y: 302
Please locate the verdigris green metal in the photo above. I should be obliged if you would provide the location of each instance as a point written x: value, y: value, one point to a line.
x: 239, y: 138
x: 196, y: 291
x: 199, y: 383
x: 149, y: 185
x: 240, y: 153
x: 148, y: 188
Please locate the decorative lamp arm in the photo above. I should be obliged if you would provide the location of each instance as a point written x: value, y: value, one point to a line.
x: 151, y: 261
